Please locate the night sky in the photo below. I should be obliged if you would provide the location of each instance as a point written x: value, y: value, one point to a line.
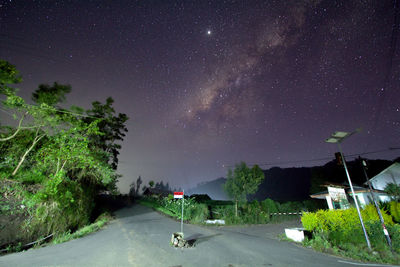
x: 207, y: 84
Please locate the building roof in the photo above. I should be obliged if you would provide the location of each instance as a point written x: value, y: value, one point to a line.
x: 394, y: 167
x: 357, y: 189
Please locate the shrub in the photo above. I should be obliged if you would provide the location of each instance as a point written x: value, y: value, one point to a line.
x: 291, y: 206
x: 394, y: 208
x: 61, y: 205
x: 314, y: 204
x: 394, y: 232
x: 331, y: 220
x: 31, y: 176
x: 269, y: 206
x: 343, y: 230
x: 198, y: 213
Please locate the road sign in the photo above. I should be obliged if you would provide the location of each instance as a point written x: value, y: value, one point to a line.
x: 178, y: 194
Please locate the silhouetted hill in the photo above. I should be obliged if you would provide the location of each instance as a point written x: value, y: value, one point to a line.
x: 289, y: 184
x: 295, y: 184
x: 212, y: 188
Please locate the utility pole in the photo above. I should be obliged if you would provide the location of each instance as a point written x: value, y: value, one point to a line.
x: 363, y: 166
x: 337, y: 138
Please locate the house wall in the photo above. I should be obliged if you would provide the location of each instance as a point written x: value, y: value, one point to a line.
x: 329, y: 201
x: 363, y: 199
x: 383, y: 198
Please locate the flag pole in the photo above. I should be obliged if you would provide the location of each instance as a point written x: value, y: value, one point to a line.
x: 183, y: 199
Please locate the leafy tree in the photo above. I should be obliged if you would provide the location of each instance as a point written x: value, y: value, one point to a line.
x: 111, y: 126
x: 151, y: 184
x: 134, y: 188
x: 59, y: 152
x: 8, y: 75
x: 242, y: 182
x: 393, y: 190
x: 51, y: 95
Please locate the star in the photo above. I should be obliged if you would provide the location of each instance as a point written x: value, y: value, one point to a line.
x: 208, y: 32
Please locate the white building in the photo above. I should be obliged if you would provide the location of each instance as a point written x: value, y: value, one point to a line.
x: 389, y: 175
x: 338, y: 196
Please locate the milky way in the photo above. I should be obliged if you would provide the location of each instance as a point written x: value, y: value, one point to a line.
x: 210, y: 83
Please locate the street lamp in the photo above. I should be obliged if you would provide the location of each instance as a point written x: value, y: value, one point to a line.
x: 337, y: 138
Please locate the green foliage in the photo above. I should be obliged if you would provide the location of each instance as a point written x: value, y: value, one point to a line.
x: 151, y: 184
x: 242, y: 182
x: 111, y: 126
x: 60, y: 159
x: 193, y: 212
x: 33, y: 176
x: 356, y: 248
x: 50, y: 95
x: 340, y: 232
x: 345, y: 220
x: 8, y: 75
x: 393, y: 190
x: 102, y: 220
x: 269, y: 206
x: 394, y: 208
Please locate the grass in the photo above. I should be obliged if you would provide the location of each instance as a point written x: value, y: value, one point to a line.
x: 102, y: 220
x: 358, y: 252
x: 220, y: 209
x: 156, y: 206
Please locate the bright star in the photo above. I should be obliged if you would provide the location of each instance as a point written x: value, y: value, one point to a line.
x: 209, y: 32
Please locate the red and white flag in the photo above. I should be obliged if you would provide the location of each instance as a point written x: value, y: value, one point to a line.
x: 178, y: 194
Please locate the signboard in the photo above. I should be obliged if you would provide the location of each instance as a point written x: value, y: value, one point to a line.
x: 337, y: 194
x: 178, y: 194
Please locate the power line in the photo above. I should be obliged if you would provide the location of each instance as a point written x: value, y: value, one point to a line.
x: 319, y: 159
x: 58, y: 110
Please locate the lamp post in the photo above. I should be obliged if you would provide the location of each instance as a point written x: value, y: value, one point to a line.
x: 337, y: 138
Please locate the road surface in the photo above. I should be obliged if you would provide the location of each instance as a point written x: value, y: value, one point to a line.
x: 140, y: 236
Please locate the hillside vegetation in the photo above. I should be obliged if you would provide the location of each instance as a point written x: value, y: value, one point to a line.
x: 54, y: 161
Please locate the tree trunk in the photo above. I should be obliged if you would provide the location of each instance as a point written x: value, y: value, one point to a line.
x: 236, y: 208
x: 35, y: 140
x: 15, y: 133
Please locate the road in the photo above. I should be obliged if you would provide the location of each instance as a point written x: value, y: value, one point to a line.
x: 140, y: 236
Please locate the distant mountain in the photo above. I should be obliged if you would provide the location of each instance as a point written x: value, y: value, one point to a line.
x: 289, y: 184
x: 212, y: 188
x: 296, y: 184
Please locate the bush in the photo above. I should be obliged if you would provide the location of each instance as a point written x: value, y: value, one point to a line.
x: 61, y: 205
x: 394, y: 232
x: 291, y: 206
x: 194, y: 212
x: 342, y: 229
x: 394, y: 208
x: 331, y: 220
x: 198, y: 213
x: 269, y: 206
x: 31, y: 176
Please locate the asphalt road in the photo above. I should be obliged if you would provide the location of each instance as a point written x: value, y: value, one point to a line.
x: 141, y: 237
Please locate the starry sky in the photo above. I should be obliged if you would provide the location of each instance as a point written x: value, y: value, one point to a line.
x: 208, y: 84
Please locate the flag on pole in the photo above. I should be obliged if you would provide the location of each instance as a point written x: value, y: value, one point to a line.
x: 178, y: 194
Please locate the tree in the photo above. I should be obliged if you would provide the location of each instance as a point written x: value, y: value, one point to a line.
x: 138, y: 184
x: 393, y: 190
x: 151, y: 183
x: 8, y: 75
x: 112, y: 128
x: 51, y: 95
x: 242, y: 182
